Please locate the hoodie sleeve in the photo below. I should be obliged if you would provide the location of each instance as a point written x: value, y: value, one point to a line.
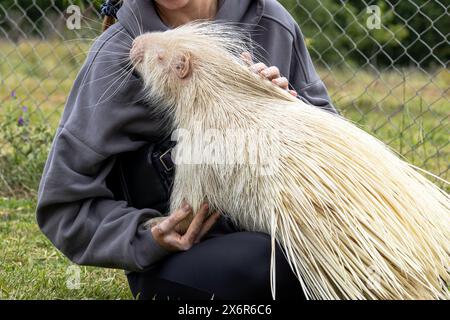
x: 304, y: 77
x: 102, y: 117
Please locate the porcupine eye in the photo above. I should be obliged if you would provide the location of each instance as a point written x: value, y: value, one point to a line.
x: 160, y: 55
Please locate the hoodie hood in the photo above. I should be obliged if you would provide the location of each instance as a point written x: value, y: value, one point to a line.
x: 139, y: 16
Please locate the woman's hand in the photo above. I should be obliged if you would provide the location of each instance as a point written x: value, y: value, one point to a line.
x: 271, y: 73
x: 168, y: 235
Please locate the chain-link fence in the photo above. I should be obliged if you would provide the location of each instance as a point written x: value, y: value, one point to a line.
x: 385, y: 64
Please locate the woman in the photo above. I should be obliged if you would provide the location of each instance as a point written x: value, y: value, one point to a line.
x: 105, y: 116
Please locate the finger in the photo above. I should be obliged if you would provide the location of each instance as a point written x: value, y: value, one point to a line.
x: 196, y: 224
x: 212, y: 219
x: 282, y: 82
x: 169, y: 241
x: 176, y: 217
x: 247, y: 58
x: 174, y: 242
x: 258, y: 67
x: 271, y: 73
x: 293, y: 92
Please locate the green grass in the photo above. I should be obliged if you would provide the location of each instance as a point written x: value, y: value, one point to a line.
x: 405, y: 108
x: 31, y: 267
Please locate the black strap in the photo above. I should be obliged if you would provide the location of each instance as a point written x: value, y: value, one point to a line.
x: 161, y: 158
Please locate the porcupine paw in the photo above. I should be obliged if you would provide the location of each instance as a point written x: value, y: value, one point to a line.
x: 184, y: 224
x: 181, y: 227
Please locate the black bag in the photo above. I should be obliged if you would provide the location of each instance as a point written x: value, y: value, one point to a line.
x: 144, y: 177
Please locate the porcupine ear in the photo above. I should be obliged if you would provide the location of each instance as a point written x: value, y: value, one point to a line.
x: 182, y: 65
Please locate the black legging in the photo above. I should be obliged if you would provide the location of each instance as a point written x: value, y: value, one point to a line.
x: 228, y: 264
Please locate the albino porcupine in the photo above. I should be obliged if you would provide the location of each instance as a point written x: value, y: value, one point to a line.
x: 355, y: 221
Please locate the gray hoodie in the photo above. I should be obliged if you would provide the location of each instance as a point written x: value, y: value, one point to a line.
x: 105, y: 115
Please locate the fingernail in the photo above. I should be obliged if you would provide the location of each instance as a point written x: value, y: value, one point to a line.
x: 265, y: 73
x: 185, y: 206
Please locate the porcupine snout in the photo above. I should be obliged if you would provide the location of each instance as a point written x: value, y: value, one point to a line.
x: 137, y: 51
x: 146, y: 44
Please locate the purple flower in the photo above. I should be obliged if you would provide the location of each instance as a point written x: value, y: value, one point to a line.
x: 24, y: 109
x: 20, y: 122
x: 13, y: 94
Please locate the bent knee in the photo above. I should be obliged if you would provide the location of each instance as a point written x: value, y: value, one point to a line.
x: 249, y: 263
x: 232, y: 266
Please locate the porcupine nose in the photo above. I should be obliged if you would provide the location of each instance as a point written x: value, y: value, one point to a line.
x: 137, y: 51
